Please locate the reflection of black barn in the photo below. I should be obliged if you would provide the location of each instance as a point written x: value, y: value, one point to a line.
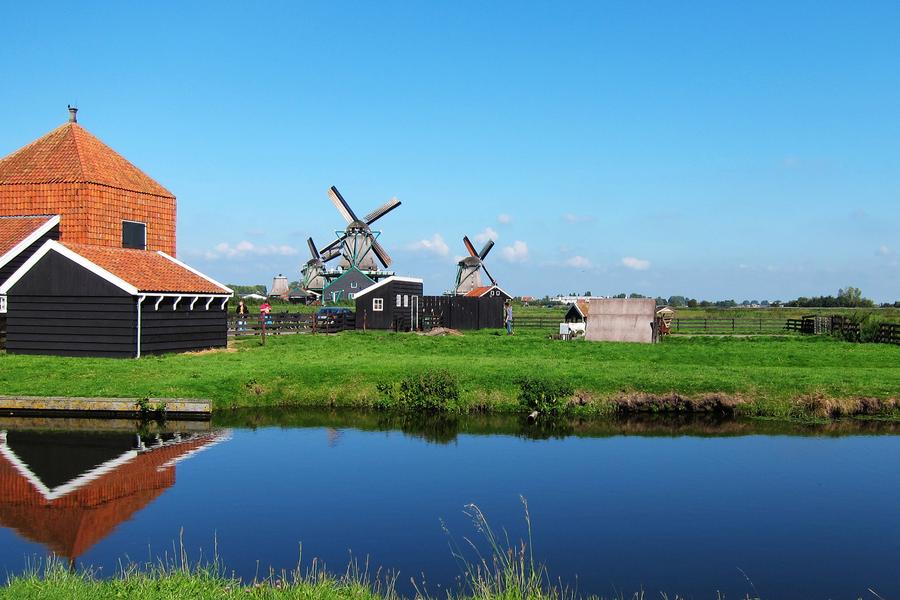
x: 79, y: 300
x: 392, y: 303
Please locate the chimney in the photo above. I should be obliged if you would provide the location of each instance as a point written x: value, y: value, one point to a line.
x: 72, y: 117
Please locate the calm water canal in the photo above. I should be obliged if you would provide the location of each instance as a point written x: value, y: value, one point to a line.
x: 673, y: 506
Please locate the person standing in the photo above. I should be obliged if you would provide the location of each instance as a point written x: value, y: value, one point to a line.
x: 507, y: 310
x: 264, y: 309
x: 242, y: 313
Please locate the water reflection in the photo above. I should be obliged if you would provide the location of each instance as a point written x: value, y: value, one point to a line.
x: 446, y: 428
x: 67, y: 490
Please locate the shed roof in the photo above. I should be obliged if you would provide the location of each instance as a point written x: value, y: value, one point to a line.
x: 17, y: 233
x: 483, y: 290
x: 384, y: 282
x: 134, y: 271
x: 70, y: 154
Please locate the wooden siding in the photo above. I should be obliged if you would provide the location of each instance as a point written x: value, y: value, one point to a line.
x: 182, y: 329
x: 12, y: 266
x: 397, y: 318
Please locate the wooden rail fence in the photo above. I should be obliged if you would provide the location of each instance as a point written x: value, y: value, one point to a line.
x: 888, y: 333
x: 290, y: 323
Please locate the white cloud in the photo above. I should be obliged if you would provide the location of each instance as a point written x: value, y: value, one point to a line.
x: 578, y: 262
x: 516, y: 253
x: 487, y: 234
x: 573, y: 218
x: 638, y: 264
x: 245, y: 248
x: 436, y: 245
x: 504, y: 219
x: 883, y: 250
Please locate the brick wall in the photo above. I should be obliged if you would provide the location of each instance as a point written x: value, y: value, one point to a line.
x: 92, y: 213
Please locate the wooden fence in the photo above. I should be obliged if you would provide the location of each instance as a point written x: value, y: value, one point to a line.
x: 888, y: 333
x: 743, y: 326
x: 290, y: 323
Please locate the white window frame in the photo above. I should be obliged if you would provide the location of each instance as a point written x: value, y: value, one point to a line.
x: 3, y: 304
x: 399, y: 300
x: 354, y: 285
x: 377, y: 304
x: 145, y: 231
x: 405, y: 300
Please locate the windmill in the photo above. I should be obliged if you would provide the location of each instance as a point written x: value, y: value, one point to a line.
x: 358, y: 243
x: 313, y: 271
x: 468, y: 276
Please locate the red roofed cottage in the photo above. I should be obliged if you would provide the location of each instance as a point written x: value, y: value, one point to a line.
x: 87, y: 265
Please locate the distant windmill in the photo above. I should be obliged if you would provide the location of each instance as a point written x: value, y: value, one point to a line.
x: 358, y: 244
x: 313, y: 271
x: 468, y: 275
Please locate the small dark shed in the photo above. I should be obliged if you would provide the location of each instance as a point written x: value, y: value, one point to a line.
x: 80, y: 300
x: 350, y: 283
x: 490, y: 301
x: 392, y: 303
x: 578, y: 312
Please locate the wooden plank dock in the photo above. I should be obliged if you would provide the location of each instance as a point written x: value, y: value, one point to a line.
x: 174, y: 408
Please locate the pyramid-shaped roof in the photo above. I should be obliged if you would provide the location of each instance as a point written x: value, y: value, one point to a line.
x: 71, y: 154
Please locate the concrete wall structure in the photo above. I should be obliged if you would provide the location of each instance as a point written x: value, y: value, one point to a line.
x: 621, y: 320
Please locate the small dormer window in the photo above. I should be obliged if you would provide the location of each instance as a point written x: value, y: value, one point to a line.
x: 134, y: 235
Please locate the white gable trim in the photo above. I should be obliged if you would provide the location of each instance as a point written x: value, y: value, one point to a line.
x: 227, y: 289
x: 490, y: 289
x: 74, y: 257
x: 32, y: 238
x: 385, y: 282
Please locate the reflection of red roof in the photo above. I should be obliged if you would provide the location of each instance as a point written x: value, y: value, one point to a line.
x: 14, y: 230
x: 69, y: 154
x: 69, y: 525
x: 146, y: 270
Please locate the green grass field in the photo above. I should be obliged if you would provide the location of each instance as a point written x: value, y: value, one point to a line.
x: 345, y: 370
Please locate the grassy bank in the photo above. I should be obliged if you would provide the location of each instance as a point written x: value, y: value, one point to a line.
x: 770, y: 375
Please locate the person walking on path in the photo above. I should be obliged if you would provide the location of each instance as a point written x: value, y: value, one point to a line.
x: 507, y: 310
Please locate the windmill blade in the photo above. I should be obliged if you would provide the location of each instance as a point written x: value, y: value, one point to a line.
x: 312, y: 248
x: 486, y: 249
x: 380, y: 212
x: 335, y: 244
x: 488, y: 273
x: 469, y: 246
x: 334, y: 253
x: 382, y: 254
x: 341, y: 205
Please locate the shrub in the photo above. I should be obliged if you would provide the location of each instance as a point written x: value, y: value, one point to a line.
x: 434, y: 391
x: 547, y: 396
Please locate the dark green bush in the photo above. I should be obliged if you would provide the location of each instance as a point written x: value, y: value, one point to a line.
x: 547, y: 396
x: 429, y: 391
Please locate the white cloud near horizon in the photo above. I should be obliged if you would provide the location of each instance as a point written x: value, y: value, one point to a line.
x: 245, y: 248
x: 638, y: 264
x: 516, y: 253
x: 436, y: 245
x: 578, y: 262
x: 504, y: 219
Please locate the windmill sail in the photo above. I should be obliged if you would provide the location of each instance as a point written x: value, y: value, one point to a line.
x: 341, y: 205
x: 380, y: 212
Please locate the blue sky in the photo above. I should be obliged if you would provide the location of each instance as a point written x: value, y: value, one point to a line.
x: 716, y: 150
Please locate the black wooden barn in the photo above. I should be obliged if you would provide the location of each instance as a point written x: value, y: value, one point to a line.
x: 79, y: 300
x: 393, y: 303
x: 20, y: 237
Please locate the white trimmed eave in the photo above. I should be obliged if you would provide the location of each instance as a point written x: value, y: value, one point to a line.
x: 51, y: 245
x: 384, y: 282
x: 32, y: 238
x: 225, y: 288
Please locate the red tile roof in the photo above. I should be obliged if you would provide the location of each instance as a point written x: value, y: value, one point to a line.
x: 69, y: 154
x: 479, y: 291
x: 146, y: 270
x: 14, y: 230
